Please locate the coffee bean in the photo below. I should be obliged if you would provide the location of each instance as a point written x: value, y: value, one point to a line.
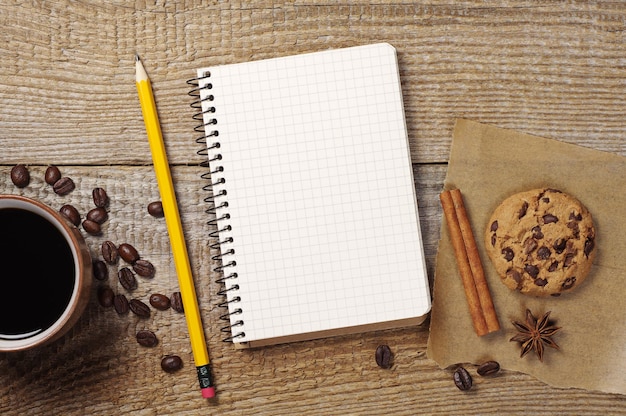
x: 139, y: 308
x: 462, y: 379
x: 147, y: 338
x: 98, y: 215
x: 127, y: 279
x: 143, y: 268
x: 128, y: 253
x: 159, y: 301
x: 20, y: 176
x: 71, y: 213
x: 109, y: 252
x: 105, y: 296
x: 63, y: 186
x: 92, y: 227
x: 120, y: 303
x: 100, y: 270
x: 488, y: 368
x: 171, y: 363
x: 177, y: 302
x: 52, y: 175
x: 384, y: 356
x: 155, y: 209
x: 100, y: 197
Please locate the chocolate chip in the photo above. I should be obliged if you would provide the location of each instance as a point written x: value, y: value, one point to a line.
x: 20, y: 176
x: 569, y: 258
x: 543, y: 253
x: 529, y: 245
x: 540, y: 282
x: 589, y: 245
x: 537, y: 233
x: 493, y: 240
x: 508, y: 254
x: 568, y: 283
x: 549, y: 219
x: 575, y: 217
x: 532, y: 270
x: 514, y: 274
x: 494, y: 226
x: 559, y: 245
x: 522, y: 210
x: 553, y: 266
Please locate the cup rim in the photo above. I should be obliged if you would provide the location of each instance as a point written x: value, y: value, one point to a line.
x: 68, y: 231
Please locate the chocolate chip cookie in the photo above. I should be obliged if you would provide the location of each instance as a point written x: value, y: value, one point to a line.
x: 541, y: 242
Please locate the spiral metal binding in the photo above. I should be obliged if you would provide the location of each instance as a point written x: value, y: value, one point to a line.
x: 209, y: 134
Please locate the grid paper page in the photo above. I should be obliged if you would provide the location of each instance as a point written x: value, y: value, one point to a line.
x: 320, y: 192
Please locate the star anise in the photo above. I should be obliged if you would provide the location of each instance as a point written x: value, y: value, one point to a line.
x: 533, y: 334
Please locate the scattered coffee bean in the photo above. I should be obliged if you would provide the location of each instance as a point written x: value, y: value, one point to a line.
x: 71, y: 213
x: 109, y: 252
x: 143, y: 268
x: 139, y: 308
x: 120, y: 303
x: 98, y: 215
x: 462, y: 379
x: 177, y: 302
x: 155, y: 209
x: 384, y: 356
x: 20, y: 176
x: 171, y: 363
x: 100, y: 270
x: 63, y: 186
x: 128, y: 253
x: 92, y: 227
x: 52, y: 175
x: 159, y: 301
x: 488, y: 368
x: 127, y: 279
x: 100, y: 197
x: 105, y: 296
x: 147, y: 338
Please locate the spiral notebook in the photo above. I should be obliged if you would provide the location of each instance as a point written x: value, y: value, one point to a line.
x: 314, y: 204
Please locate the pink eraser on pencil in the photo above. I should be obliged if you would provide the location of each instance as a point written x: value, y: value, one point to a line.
x: 208, y: 392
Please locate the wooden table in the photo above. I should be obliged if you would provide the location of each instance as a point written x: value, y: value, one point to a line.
x: 67, y: 97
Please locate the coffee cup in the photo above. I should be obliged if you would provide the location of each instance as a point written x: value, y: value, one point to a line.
x: 45, y: 274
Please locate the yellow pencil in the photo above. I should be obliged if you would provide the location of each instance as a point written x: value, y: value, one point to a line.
x: 175, y: 230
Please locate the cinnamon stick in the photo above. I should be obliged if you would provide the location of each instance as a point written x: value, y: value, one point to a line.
x: 484, y: 295
x: 460, y: 252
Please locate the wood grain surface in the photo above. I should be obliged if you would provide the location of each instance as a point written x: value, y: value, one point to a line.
x: 67, y: 97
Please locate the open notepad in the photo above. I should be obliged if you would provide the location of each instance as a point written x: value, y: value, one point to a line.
x: 315, y: 206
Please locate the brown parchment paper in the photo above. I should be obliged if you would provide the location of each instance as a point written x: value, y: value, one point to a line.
x: 488, y: 164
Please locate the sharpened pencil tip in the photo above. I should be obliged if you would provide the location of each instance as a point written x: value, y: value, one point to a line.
x: 137, y: 58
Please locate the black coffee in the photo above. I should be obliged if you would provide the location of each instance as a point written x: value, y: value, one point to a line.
x: 36, y: 273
